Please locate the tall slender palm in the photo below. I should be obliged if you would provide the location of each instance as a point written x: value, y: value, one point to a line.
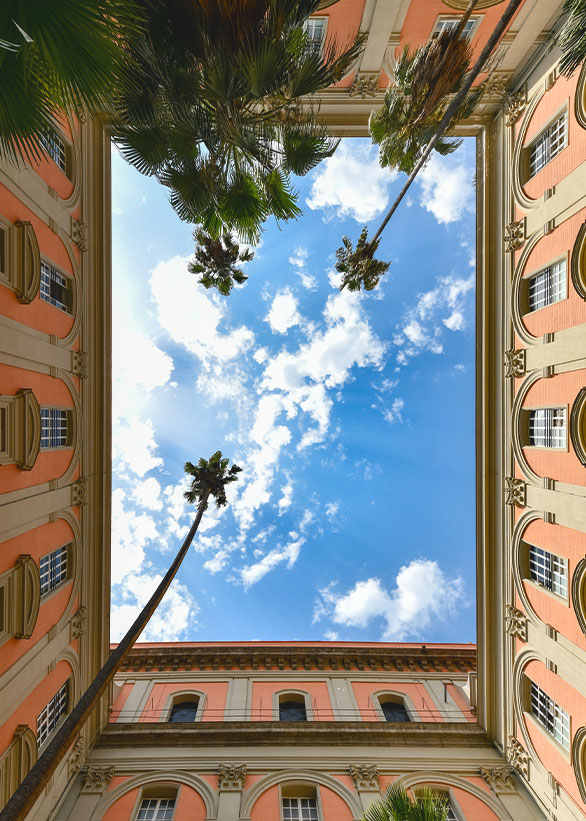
x: 398, y: 805
x: 221, y: 115
x: 572, y: 38
x: 216, y: 261
x: 58, y: 55
x: 365, y: 262
x: 208, y: 478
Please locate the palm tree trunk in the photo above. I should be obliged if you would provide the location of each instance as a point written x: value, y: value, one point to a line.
x: 454, y: 106
x: 25, y: 796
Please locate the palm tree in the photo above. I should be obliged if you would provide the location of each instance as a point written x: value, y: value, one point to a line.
x: 448, y: 117
x: 208, y: 478
x: 58, y: 55
x: 360, y: 267
x: 216, y: 260
x: 572, y: 38
x: 220, y: 114
x: 397, y: 805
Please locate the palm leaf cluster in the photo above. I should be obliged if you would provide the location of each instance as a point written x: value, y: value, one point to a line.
x: 398, y: 805
x: 417, y: 99
x: 209, y: 478
x: 359, y: 267
x: 216, y: 261
x: 55, y: 56
x: 218, y: 116
x: 572, y: 37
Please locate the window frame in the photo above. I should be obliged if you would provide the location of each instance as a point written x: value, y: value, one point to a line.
x: 189, y: 695
x: 394, y: 694
x: 278, y: 694
x: 156, y: 789
x: 526, y: 162
x: 325, y: 19
x: 67, y: 548
x: 288, y: 790
x: 529, y: 694
x: 528, y: 577
x: 70, y: 437
x: 475, y: 19
x: 526, y: 428
x: 526, y: 309
x: 57, y: 136
x: 157, y: 807
x: 69, y: 308
x: 66, y: 686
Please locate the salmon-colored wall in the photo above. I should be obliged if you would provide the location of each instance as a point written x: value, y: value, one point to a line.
x: 215, y: 702
x: 567, y: 312
x: 49, y: 171
x: 421, y: 700
x: 120, y: 696
x: 472, y: 807
x: 189, y: 805
x: 262, y: 698
x: 573, y: 154
x: 344, y: 19
x: 334, y: 808
x: 561, y: 389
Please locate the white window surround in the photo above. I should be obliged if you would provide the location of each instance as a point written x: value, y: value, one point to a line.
x: 316, y: 29
x: 294, y: 792
x: 548, y: 715
x: 54, y: 569
x: 547, y: 428
x: 548, y: 571
x: 375, y: 699
x: 184, y: 695
x: 548, y: 143
x: 156, y: 809
x: 547, y: 286
x: 56, y: 428
x: 56, y: 287
x: 300, y: 809
x: 280, y: 695
x: 56, y: 148
x: 52, y: 714
x: 449, y: 22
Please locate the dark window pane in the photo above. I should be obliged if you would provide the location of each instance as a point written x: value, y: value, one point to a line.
x: 394, y: 711
x: 292, y: 711
x: 185, y: 711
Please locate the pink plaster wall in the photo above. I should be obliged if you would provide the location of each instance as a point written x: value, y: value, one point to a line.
x: 334, y: 808
x: 422, y: 702
x: 262, y: 698
x: 215, y: 702
x: 189, y: 805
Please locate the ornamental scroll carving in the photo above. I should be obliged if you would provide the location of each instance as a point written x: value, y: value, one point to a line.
x: 515, y: 106
x: 365, y: 776
x: 516, y: 623
x: 514, y: 362
x: 79, y: 492
x: 517, y: 756
x: 96, y: 779
x: 365, y: 84
x: 495, y: 88
x: 78, y: 623
x: 499, y: 779
x: 515, y: 492
x: 79, y: 364
x: 79, y: 233
x: 515, y: 235
x: 76, y: 758
x: 231, y: 776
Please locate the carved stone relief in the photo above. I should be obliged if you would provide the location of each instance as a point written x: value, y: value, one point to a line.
x: 516, y: 623
x: 96, y: 779
x: 515, y: 235
x: 515, y: 492
x: 231, y: 776
x: 365, y: 84
x: 499, y: 779
x: 365, y: 776
x: 514, y: 362
x: 517, y: 756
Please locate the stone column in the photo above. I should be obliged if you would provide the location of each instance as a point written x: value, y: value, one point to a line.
x: 230, y: 785
x: 94, y: 785
x: 365, y: 778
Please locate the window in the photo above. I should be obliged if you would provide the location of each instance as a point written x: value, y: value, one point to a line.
x: 156, y: 809
x: 55, y: 424
x: 548, y: 570
x: 555, y: 720
x: 49, y: 717
x: 52, y: 143
x: 55, y: 288
x: 292, y: 708
x: 300, y: 809
x: 315, y: 29
x: 394, y: 709
x: 547, y: 428
x: 53, y: 569
x: 548, y: 145
x: 184, y: 711
x: 450, y: 23
x: 548, y: 286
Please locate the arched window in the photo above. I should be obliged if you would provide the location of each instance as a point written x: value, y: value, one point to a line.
x: 299, y: 803
x: 292, y: 707
x: 394, y: 709
x: 157, y: 804
x: 184, y: 708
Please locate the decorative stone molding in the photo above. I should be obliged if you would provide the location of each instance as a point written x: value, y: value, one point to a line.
x: 516, y: 622
x: 26, y: 262
x: 78, y: 623
x: 16, y: 762
x: 578, y: 262
x: 79, y: 233
x: 578, y: 426
x: 515, y: 105
x: 517, y: 756
x: 365, y: 776
x: 79, y: 364
x: 79, y: 492
x: 21, y: 589
x: 76, y: 759
x: 499, y: 779
x: 515, y: 235
x: 22, y: 420
x: 579, y: 593
x: 231, y: 776
x: 96, y: 779
x: 579, y: 760
x: 515, y: 363
x: 495, y: 88
x: 515, y: 492
x: 365, y: 84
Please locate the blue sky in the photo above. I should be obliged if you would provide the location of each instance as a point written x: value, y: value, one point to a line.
x: 352, y: 415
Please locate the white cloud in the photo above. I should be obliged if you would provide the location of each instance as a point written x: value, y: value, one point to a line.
x: 331, y: 635
x: 447, y: 190
x: 332, y: 510
x: 130, y: 533
x: 394, y: 413
x: 306, y: 520
x: 298, y: 260
x: 251, y: 574
x: 351, y: 183
x: 283, y: 312
x: 175, y: 614
x: 260, y: 355
x: 422, y: 594
x: 134, y: 445
x: 148, y: 494
x: 287, y: 497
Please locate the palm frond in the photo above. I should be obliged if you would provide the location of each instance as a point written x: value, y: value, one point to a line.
x: 210, y: 476
x: 572, y: 39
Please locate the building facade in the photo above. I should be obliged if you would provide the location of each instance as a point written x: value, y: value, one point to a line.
x: 291, y: 730
x: 54, y: 445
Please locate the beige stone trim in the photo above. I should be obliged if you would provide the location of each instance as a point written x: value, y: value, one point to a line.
x: 276, y: 700
x: 24, y: 347
x: 22, y: 416
x: 578, y: 263
x: 579, y: 593
x: 23, y: 261
x: 16, y: 762
x: 179, y: 694
x: 567, y: 508
x: 21, y: 589
x: 449, y: 780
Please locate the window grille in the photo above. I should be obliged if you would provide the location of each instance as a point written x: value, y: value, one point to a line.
x: 548, y: 570
x: 55, y: 148
x: 451, y: 816
x: 300, y: 809
x: 53, y: 569
x: 54, y: 428
x: 184, y: 711
x: 394, y: 711
x: 54, y: 287
x: 315, y: 29
x: 49, y: 717
x: 548, y: 145
x: 156, y: 809
x: 547, y: 428
x: 450, y: 23
x: 548, y: 286
x: 555, y: 720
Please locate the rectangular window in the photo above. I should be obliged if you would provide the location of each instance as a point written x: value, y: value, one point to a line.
x: 49, y: 718
x: 156, y: 809
x: 315, y: 28
x: 300, y: 809
x: 53, y: 568
x: 54, y: 287
x: 549, y: 143
x: 548, y: 286
x: 548, y: 570
x: 547, y: 428
x: 451, y: 23
x: 55, y: 148
x: 54, y: 428
x: 555, y: 720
